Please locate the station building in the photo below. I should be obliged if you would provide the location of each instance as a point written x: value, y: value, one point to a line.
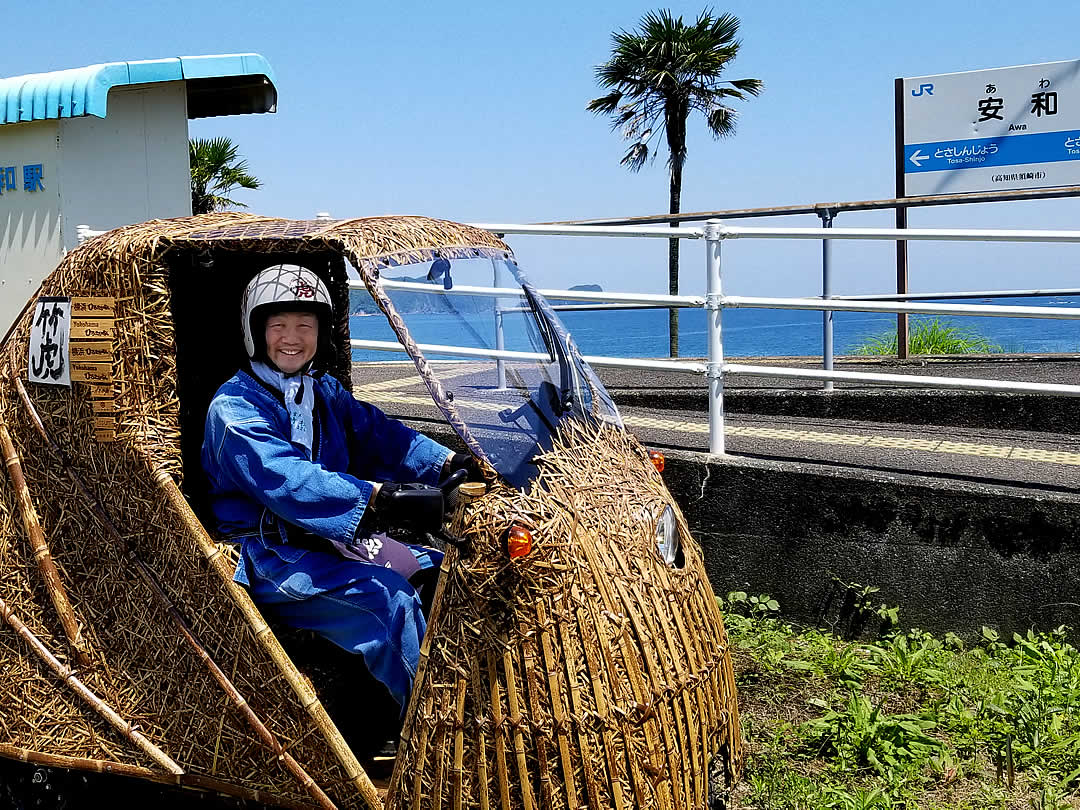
x: 105, y: 145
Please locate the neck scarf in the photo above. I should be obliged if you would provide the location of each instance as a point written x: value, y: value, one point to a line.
x: 299, y: 392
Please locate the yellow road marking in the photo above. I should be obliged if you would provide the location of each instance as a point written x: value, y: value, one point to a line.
x: 380, y: 392
x: 445, y: 373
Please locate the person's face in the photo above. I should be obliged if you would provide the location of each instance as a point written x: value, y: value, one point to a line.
x: 291, y: 339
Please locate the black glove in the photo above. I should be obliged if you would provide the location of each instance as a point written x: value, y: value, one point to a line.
x: 414, y: 507
x: 463, y: 461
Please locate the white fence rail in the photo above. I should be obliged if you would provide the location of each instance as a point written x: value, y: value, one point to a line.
x: 714, y: 302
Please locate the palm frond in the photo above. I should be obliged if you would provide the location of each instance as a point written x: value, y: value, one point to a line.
x: 216, y: 170
x: 635, y: 157
x: 664, y: 69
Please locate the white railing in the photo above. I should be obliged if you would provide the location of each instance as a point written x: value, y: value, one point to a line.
x: 714, y: 302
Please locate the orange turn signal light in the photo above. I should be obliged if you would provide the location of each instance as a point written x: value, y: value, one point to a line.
x: 518, y: 541
x: 657, y: 459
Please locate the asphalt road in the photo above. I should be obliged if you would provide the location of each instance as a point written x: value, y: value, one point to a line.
x: 669, y: 410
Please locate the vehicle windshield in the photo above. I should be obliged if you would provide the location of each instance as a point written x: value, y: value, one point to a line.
x: 517, y: 372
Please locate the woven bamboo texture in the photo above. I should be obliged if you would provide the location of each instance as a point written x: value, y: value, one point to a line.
x: 141, y: 668
x: 586, y: 674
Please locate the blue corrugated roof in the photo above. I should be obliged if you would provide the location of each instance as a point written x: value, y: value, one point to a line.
x: 84, y: 91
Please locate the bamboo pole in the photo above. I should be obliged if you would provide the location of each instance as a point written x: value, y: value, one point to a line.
x: 441, y: 734
x: 558, y: 712
x: 412, y: 709
x: 97, y: 704
x: 457, y: 773
x: 651, y: 694
x: 309, y: 701
x: 148, y: 774
x: 425, y: 735
x: 482, y: 778
x: 263, y: 733
x: 531, y: 685
x: 46, y: 566
x: 577, y: 709
x: 498, y: 726
x: 516, y: 722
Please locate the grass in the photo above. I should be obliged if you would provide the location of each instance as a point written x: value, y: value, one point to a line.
x: 907, y: 721
x: 930, y: 336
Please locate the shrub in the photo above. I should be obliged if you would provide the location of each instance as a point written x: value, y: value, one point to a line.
x: 931, y: 337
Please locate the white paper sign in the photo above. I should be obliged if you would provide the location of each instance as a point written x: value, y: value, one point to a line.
x: 49, y: 361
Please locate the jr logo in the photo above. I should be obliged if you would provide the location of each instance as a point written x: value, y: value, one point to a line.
x: 928, y: 88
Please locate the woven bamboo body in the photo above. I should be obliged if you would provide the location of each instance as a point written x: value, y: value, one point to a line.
x: 587, y: 674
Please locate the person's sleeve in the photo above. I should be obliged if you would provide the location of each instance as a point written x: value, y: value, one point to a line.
x: 391, y: 450
x: 271, y: 470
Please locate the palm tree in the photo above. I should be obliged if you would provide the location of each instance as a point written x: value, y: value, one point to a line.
x: 657, y: 76
x: 215, y: 172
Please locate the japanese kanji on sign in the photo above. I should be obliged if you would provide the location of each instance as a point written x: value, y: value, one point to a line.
x: 990, y: 130
x: 49, y: 362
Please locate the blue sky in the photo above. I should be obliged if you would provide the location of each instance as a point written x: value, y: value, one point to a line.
x: 476, y: 112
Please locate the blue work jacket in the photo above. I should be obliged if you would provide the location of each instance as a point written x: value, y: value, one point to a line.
x: 259, y: 479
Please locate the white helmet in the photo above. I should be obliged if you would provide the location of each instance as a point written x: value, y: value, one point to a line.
x: 283, y: 287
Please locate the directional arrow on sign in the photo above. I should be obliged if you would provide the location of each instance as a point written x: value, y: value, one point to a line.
x: 915, y: 158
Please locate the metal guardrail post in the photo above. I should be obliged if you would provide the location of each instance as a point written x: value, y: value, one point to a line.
x: 714, y: 232
x: 500, y: 337
x: 827, y: 216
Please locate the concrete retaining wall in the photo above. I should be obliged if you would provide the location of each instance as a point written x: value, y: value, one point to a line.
x: 952, y: 555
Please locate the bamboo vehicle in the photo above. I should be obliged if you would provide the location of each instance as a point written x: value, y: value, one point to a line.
x: 575, y: 656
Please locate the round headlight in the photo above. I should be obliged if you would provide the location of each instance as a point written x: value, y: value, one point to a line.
x: 667, y: 536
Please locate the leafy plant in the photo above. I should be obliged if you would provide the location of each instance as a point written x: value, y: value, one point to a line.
x: 909, y: 721
x: 739, y: 601
x: 216, y: 170
x: 908, y: 658
x: 873, y: 798
x: 859, y: 606
x: 861, y: 735
x: 930, y: 337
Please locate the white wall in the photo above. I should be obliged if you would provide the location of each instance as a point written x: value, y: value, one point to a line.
x: 128, y: 167
x: 103, y: 172
x: 30, y: 240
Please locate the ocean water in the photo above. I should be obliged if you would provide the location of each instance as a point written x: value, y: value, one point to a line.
x: 750, y: 332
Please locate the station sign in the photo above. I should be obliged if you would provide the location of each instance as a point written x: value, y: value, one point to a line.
x: 1000, y: 129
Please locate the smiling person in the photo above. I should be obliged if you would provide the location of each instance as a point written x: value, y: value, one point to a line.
x: 301, y: 475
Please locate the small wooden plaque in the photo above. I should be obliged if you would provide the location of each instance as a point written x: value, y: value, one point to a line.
x: 92, y: 329
x: 93, y: 307
x: 103, y: 406
x: 101, y: 392
x: 104, y: 423
x: 105, y: 436
x: 92, y: 372
x: 92, y: 352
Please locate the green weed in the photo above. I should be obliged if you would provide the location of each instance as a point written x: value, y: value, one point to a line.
x: 930, y: 336
x: 908, y: 720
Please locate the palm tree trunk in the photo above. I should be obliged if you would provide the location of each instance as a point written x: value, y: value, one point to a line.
x: 675, y: 200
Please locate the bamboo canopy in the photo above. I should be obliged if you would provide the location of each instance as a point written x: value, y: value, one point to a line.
x: 587, y: 674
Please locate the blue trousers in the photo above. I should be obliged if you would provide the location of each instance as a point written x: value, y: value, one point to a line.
x: 362, y: 607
